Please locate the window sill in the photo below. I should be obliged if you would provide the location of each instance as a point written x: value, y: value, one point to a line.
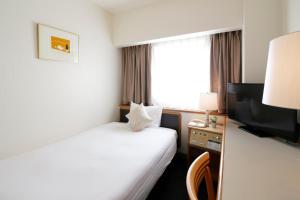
x: 169, y: 110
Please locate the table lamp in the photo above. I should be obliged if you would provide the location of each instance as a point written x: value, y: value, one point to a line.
x: 282, y: 83
x: 208, y: 103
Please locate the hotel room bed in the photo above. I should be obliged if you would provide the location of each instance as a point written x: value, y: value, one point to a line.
x: 105, y: 163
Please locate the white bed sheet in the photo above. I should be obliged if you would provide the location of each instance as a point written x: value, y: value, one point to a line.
x: 109, y: 162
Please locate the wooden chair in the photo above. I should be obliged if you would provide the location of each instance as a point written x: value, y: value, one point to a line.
x: 199, y: 171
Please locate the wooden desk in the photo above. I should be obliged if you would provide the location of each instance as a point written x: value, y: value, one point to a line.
x: 258, y: 168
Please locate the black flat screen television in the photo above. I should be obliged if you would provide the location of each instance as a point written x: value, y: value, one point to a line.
x: 245, y: 105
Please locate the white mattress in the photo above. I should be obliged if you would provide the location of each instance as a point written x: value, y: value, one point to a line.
x: 108, y: 162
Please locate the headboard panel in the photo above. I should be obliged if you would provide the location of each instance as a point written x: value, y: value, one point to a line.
x: 169, y: 119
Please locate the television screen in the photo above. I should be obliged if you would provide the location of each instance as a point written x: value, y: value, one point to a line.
x: 245, y: 105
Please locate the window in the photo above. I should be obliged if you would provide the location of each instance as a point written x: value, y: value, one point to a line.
x: 180, y: 72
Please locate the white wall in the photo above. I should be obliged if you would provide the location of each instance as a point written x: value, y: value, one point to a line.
x: 291, y: 15
x: 175, y: 17
x: 262, y: 22
x: 44, y: 101
x: 291, y: 22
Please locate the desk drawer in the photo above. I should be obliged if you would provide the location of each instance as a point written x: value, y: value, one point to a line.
x: 198, y: 137
x: 205, y: 139
x: 215, y: 137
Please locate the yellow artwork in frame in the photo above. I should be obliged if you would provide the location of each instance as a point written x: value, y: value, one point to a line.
x: 58, y: 45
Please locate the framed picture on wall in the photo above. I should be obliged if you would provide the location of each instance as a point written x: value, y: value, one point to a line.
x: 56, y: 44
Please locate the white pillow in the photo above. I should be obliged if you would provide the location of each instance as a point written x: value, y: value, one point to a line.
x: 138, y: 117
x: 155, y: 113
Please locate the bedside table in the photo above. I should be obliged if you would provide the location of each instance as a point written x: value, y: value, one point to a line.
x: 207, y: 139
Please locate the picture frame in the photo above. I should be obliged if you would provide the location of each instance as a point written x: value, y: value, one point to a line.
x: 57, y: 45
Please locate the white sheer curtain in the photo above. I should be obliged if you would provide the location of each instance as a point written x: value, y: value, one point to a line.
x: 180, y: 72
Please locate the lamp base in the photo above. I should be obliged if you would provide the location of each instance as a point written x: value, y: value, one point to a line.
x: 206, y: 122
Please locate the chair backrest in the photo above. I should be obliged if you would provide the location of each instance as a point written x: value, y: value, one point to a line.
x: 199, y: 171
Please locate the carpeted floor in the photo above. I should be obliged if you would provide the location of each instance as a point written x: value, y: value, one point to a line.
x: 171, y: 186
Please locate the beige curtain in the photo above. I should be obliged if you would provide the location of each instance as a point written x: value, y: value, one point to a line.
x: 225, y: 64
x: 136, y: 74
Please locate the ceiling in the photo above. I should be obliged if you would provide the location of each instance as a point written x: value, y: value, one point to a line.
x: 117, y: 6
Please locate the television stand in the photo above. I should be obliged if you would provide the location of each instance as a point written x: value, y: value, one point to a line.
x: 254, y: 131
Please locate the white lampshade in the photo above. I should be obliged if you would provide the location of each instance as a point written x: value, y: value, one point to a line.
x: 208, y: 101
x: 282, y: 84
